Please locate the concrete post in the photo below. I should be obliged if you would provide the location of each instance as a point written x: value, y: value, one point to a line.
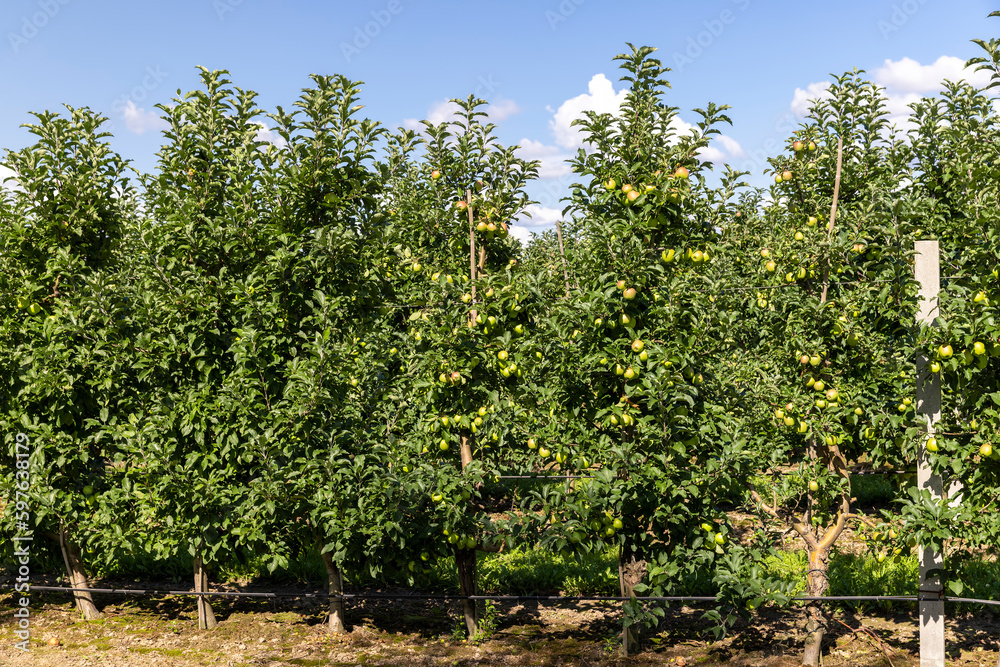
x: 928, y: 274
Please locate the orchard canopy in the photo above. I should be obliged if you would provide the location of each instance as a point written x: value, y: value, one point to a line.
x: 331, y: 343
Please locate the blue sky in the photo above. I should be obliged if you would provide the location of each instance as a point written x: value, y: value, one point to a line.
x: 539, y: 64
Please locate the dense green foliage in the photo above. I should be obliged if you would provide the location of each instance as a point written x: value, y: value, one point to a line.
x: 332, y: 344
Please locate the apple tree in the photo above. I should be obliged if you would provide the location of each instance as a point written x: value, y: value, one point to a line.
x: 953, y: 136
x: 462, y: 321
x: 64, y: 335
x: 826, y: 344
x: 194, y: 453
x: 630, y: 390
x: 314, y: 362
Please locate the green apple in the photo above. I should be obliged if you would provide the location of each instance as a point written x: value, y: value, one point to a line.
x: 932, y: 445
x: 813, y: 486
x: 544, y: 452
x: 629, y: 293
x: 637, y: 345
x: 978, y: 349
x: 443, y: 445
x: 945, y: 352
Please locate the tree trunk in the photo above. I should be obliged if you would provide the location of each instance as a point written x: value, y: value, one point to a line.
x: 77, y: 577
x: 465, y: 560
x: 335, y: 586
x: 631, y: 570
x: 816, y: 586
x: 206, y: 617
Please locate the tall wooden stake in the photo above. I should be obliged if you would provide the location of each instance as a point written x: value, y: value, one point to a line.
x: 465, y: 559
x: 562, y: 253
x: 928, y: 273
x: 472, y: 258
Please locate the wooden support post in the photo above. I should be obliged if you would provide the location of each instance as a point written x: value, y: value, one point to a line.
x: 562, y: 253
x: 335, y: 587
x: 465, y: 559
x: 472, y: 258
x: 928, y: 393
x: 77, y: 577
x: 206, y: 617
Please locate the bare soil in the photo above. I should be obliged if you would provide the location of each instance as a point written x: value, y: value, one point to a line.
x: 162, y: 632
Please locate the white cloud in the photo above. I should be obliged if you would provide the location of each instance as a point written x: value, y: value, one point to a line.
x: 905, y: 81
x: 553, y: 160
x: 270, y: 136
x: 540, y: 216
x: 601, y: 97
x: 446, y: 111
x: 501, y: 109
x: 440, y: 112
x: 140, y: 121
x: 6, y: 173
x: 731, y: 145
x: 522, y: 234
x: 909, y: 76
x: 803, y: 100
x: 729, y: 149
